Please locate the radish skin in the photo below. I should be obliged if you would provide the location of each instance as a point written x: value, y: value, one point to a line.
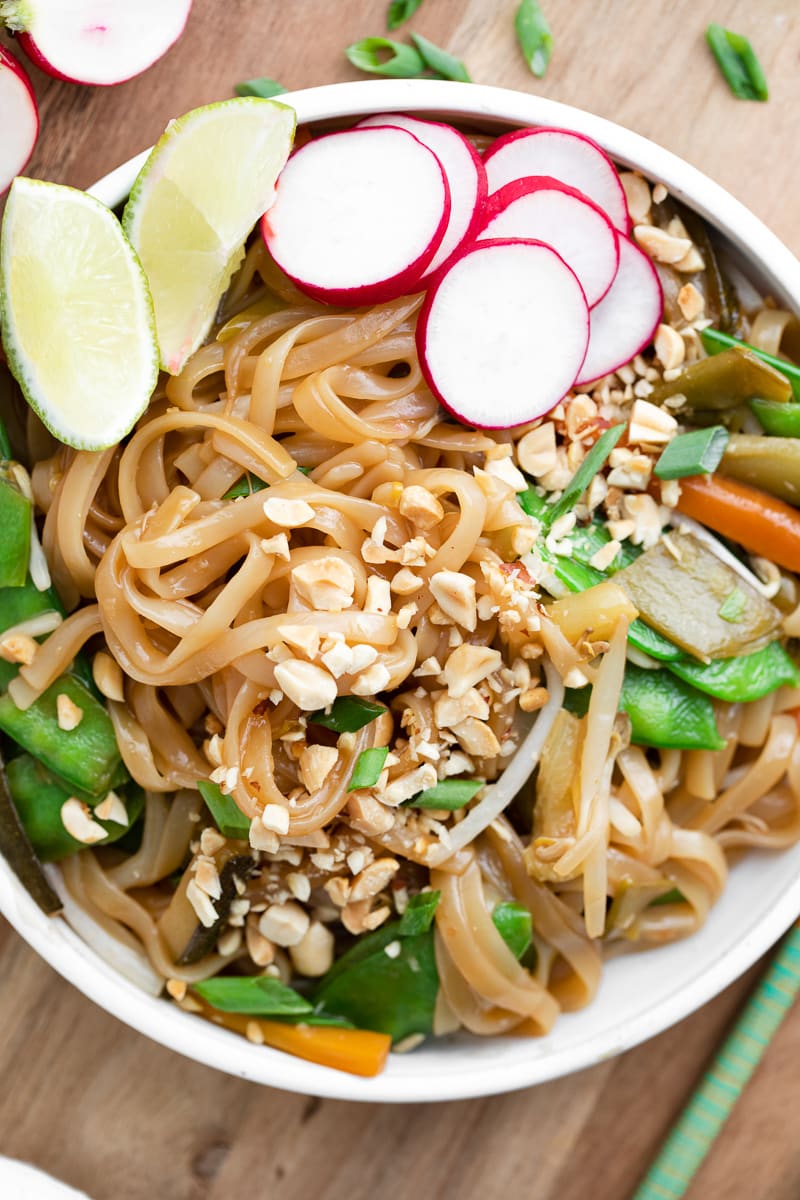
x: 358, y: 215
x: 503, y: 332
x: 20, y: 118
x: 571, y: 158
x: 626, y: 318
x: 465, y: 172
x: 548, y: 211
x: 97, y: 42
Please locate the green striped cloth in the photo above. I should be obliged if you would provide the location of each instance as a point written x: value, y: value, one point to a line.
x: 691, y: 1137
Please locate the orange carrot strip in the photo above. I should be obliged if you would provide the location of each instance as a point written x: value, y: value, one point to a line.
x: 358, y: 1051
x: 746, y: 515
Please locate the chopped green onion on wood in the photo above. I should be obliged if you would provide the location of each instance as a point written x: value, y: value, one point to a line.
x: 439, y: 61
x: 382, y: 56
x: 401, y: 11
x: 534, y: 36
x: 262, y: 87
x: 738, y: 63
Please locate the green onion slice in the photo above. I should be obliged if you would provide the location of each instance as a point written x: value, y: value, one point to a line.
x: 262, y: 87
x: 367, y: 770
x: 694, y: 453
x: 370, y: 55
x: 347, y: 714
x: 257, y: 995
x: 738, y: 63
x: 245, y: 487
x: 733, y: 605
x: 534, y: 36
x: 228, y: 817
x: 440, y: 61
x: 451, y: 794
x: 419, y: 914
x: 401, y: 11
x: 591, y: 465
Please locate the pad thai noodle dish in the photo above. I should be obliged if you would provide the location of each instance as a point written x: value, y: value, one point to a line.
x: 421, y: 632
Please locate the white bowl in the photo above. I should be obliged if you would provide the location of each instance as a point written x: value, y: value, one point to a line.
x: 642, y: 994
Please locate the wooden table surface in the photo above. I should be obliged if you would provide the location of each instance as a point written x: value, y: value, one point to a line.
x: 124, y: 1119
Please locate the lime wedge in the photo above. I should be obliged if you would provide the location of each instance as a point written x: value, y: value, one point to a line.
x: 207, y: 181
x: 78, y: 326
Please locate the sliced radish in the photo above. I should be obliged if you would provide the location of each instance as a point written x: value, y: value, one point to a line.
x: 358, y: 215
x: 569, y: 157
x: 466, y: 176
x: 20, y: 118
x: 503, y: 332
x: 547, y: 211
x: 96, y: 41
x: 626, y: 318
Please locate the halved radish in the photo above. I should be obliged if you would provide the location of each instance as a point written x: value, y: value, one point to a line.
x: 358, y: 215
x: 96, y: 41
x: 466, y: 176
x: 503, y: 332
x: 547, y: 211
x: 20, y: 118
x: 569, y: 157
x: 626, y: 318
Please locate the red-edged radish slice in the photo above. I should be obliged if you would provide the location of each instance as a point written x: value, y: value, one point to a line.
x: 503, y: 332
x: 626, y: 318
x: 20, y: 118
x: 547, y: 211
x: 466, y: 176
x: 96, y: 41
x: 569, y: 157
x: 358, y: 215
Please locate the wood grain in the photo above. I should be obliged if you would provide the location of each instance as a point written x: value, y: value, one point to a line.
x: 108, y: 1111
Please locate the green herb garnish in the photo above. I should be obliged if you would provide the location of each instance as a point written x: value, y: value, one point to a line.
x: 515, y: 925
x: 738, y: 63
x: 262, y: 87
x: 228, y: 817
x: 401, y: 11
x: 733, y: 606
x: 419, y: 914
x: 694, y: 453
x: 439, y: 61
x: 591, y: 465
x: 451, y: 794
x: 245, y: 487
x: 370, y: 55
x: 256, y: 995
x: 367, y: 770
x: 347, y: 714
x: 534, y: 36
x: 673, y: 896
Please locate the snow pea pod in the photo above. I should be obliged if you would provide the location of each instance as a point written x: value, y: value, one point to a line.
x: 87, y: 757
x: 38, y: 798
x: 15, y: 522
x: 19, y: 853
x: 776, y: 419
x: 739, y: 680
x: 665, y: 711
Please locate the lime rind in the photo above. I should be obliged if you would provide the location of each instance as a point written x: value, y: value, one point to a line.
x: 189, y: 221
x: 78, y: 324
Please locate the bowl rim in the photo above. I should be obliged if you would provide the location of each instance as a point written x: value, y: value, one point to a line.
x: 62, y: 948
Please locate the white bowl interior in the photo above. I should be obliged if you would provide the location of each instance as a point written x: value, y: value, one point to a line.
x: 642, y: 993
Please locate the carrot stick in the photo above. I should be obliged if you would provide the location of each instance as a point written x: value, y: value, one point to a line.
x: 358, y: 1051
x: 745, y: 514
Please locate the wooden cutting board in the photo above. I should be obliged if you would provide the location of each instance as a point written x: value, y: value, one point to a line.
x: 110, y: 1112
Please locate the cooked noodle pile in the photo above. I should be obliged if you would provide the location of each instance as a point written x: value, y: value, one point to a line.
x: 393, y: 565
